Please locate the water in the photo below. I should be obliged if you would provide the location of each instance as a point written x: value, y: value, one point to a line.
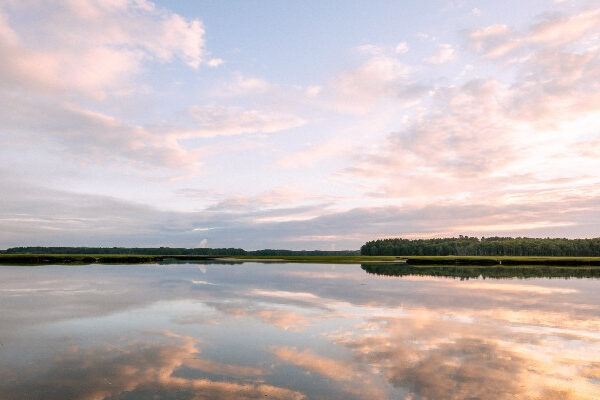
x: 292, y: 331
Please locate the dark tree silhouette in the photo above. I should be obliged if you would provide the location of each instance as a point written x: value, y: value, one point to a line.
x: 491, y: 246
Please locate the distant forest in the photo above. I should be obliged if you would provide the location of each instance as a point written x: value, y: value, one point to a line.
x: 174, y: 251
x: 457, y: 246
x: 491, y: 246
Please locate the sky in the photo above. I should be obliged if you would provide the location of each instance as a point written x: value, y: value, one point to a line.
x: 300, y: 125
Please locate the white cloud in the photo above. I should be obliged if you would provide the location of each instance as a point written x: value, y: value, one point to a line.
x: 215, y: 62
x: 243, y: 86
x: 313, y: 90
x: 401, y: 48
x: 444, y: 54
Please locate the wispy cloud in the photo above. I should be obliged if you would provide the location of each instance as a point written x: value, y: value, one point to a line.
x: 213, y: 121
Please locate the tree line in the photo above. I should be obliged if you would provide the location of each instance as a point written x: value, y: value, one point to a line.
x: 161, y: 251
x: 276, y: 252
x: 164, y: 251
x: 490, y: 246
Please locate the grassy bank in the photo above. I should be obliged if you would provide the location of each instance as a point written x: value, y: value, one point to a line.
x: 507, y: 260
x: 35, y: 259
x: 428, y: 260
x: 40, y: 259
x: 317, y: 259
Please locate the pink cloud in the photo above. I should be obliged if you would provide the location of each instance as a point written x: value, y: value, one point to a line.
x: 499, y: 141
x: 101, y: 47
x: 444, y: 54
x: 360, y: 89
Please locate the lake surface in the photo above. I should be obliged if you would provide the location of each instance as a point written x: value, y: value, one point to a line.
x: 292, y: 331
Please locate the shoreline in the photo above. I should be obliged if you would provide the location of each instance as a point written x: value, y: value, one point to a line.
x: 489, y: 261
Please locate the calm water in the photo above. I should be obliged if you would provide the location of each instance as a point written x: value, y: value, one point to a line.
x: 292, y: 331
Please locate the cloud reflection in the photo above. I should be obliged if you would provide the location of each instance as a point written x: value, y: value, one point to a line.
x: 268, y: 331
x: 355, y: 378
x: 137, y: 371
x: 442, y: 356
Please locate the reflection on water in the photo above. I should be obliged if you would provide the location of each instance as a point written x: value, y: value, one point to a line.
x: 293, y: 331
x: 474, y: 271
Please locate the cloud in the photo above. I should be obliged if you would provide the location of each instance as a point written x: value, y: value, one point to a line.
x: 242, y: 85
x: 481, y: 38
x: 84, y: 135
x: 401, y: 48
x: 351, y: 228
x: 415, y: 148
x: 54, y: 52
x: 317, y: 152
x: 444, y: 54
x: 33, y: 214
x: 283, y: 196
x: 565, y: 29
x: 87, y: 135
x: 555, y: 31
x: 215, y: 62
x: 100, y: 49
x: 463, y: 133
x: 313, y: 90
x: 379, y: 76
x: 211, y: 121
x: 490, y: 140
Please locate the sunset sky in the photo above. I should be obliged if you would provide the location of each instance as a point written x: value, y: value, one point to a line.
x: 300, y: 125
